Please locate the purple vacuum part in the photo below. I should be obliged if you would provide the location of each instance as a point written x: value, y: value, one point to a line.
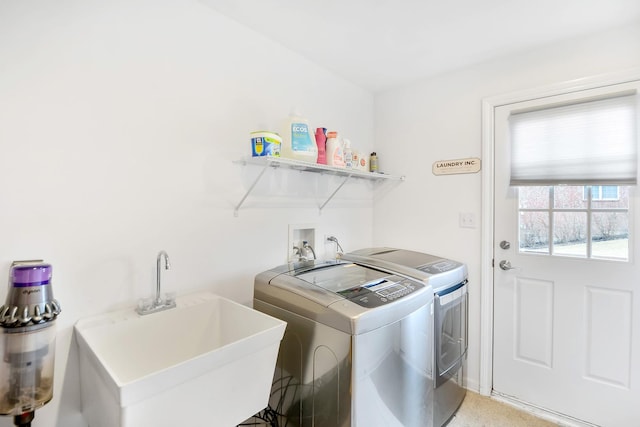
x: 30, y: 302
x: 27, y: 344
x: 31, y: 275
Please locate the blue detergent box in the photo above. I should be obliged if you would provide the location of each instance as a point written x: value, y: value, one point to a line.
x: 265, y: 144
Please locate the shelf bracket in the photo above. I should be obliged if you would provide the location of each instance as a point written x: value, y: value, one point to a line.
x: 237, y: 208
x: 344, y: 181
x: 289, y: 164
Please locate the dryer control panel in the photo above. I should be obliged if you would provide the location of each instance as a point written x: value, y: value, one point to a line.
x: 438, y: 267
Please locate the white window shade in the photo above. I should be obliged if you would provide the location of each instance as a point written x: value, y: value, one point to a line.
x: 592, y: 142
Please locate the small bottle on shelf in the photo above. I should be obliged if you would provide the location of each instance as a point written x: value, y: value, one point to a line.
x: 373, y: 162
x: 335, y: 153
x: 348, y: 154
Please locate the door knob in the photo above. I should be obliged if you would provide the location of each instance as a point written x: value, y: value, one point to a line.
x: 505, y: 265
x: 505, y: 245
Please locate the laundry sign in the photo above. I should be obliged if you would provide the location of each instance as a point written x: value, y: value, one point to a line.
x: 456, y: 166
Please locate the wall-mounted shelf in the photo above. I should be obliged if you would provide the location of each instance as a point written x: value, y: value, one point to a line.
x: 278, y: 162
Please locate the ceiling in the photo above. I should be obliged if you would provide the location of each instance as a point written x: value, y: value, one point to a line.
x: 381, y: 44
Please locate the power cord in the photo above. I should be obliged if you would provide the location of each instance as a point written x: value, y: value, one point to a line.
x: 287, y: 388
x: 268, y: 416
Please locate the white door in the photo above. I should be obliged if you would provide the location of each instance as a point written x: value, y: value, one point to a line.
x: 567, y: 300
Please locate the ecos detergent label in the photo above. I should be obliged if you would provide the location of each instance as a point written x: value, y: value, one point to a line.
x: 300, y: 138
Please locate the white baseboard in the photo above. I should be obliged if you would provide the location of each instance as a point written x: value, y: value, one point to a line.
x: 555, y: 417
x: 472, y: 385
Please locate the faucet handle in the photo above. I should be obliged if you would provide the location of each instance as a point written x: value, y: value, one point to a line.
x: 170, y: 298
x: 308, y: 250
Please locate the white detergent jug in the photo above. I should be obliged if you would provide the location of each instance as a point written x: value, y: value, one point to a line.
x: 335, y: 150
x: 298, y: 142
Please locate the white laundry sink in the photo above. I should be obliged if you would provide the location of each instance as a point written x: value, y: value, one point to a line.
x: 209, y: 361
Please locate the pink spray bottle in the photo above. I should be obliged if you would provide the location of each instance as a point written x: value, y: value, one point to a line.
x: 321, y: 142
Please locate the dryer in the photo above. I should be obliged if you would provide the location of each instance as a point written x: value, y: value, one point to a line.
x: 448, y: 279
x: 357, y: 347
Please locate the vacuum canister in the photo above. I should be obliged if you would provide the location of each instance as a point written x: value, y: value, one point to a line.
x: 27, y: 344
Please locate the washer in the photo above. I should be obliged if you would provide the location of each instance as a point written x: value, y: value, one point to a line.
x: 448, y: 279
x: 358, y: 345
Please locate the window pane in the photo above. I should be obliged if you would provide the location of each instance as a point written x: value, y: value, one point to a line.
x: 570, y: 233
x: 608, y: 211
x: 621, y: 201
x: 533, y: 197
x: 534, y: 232
x: 569, y: 197
x: 609, y: 192
x: 610, y: 235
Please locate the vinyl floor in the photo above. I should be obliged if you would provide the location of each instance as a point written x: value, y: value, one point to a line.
x: 475, y: 411
x: 482, y: 411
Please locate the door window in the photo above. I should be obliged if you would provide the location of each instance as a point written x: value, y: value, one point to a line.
x: 575, y: 221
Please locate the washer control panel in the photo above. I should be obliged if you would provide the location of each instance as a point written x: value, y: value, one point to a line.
x: 381, y: 292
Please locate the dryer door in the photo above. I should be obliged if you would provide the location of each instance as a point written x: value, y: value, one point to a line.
x: 451, y: 310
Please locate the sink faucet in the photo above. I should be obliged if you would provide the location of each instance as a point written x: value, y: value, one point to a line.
x: 158, y: 303
x: 167, y: 265
x: 339, y: 250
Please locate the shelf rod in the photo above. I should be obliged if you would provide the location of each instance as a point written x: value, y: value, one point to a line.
x: 237, y: 208
x: 344, y: 181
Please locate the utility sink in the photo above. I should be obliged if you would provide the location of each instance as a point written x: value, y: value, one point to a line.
x: 209, y: 361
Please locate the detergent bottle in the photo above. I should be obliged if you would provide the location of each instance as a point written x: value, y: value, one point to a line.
x: 321, y: 142
x: 335, y: 151
x: 298, y: 143
x: 348, y: 154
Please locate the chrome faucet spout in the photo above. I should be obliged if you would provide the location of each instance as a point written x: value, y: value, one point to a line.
x: 339, y: 250
x: 149, y: 305
x: 307, y: 248
x: 167, y: 265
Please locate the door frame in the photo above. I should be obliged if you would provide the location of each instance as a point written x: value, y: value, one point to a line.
x: 488, y: 195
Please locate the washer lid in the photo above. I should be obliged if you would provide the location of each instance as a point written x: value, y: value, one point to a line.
x: 399, y: 256
x: 349, y: 297
x: 341, y: 278
x: 439, y: 272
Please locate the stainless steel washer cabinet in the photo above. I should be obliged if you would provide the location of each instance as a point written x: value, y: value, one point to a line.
x: 357, y: 348
x: 449, y: 281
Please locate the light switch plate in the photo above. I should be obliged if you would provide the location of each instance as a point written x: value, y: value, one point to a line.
x: 468, y: 220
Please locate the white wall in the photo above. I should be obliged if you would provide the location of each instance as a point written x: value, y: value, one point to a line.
x: 119, y: 122
x: 440, y: 119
